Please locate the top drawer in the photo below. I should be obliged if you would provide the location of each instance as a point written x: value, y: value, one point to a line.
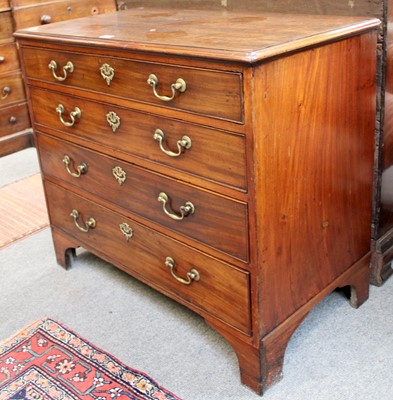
x: 209, y: 92
x: 4, y: 4
x: 56, y: 11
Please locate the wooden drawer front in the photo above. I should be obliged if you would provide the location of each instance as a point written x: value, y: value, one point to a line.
x: 215, y: 155
x: 217, y: 221
x: 56, y: 11
x: 6, y: 26
x: 11, y: 89
x: 103, y: 5
x: 14, y: 119
x: 4, y: 4
x: 213, y: 93
x: 9, y: 60
x: 222, y: 290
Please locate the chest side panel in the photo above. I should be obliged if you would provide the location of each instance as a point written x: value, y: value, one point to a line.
x: 314, y: 145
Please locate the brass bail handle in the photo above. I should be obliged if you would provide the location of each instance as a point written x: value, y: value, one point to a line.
x: 185, y: 210
x: 192, y: 275
x: 69, y: 67
x: 80, y: 169
x: 183, y: 143
x: 89, y: 224
x: 73, y: 115
x: 179, y: 85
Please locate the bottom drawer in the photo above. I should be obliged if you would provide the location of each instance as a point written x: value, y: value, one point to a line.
x: 221, y: 290
x: 14, y: 119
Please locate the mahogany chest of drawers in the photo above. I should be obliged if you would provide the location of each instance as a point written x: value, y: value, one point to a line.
x: 16, y: 14
x: 224, y: 159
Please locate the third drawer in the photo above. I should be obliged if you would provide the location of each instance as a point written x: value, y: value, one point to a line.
x: 210, y: 218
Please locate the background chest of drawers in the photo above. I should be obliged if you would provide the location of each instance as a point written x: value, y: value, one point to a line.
x: 231, y: 172
x: 15, y: 132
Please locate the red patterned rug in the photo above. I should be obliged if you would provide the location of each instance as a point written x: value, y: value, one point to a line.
x: 47, y: 361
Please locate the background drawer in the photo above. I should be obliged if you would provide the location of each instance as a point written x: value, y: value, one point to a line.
x: 214, y: 155
x: 9, y: 60
x: 6, y: 26
x: 59, y: 11
x: 220, y: 95
x: 24, y: 3
x: 4, y: 4
x: 222, y: 290
x: 11, y: 89
x: 218, y: 221
x: 14, y: 119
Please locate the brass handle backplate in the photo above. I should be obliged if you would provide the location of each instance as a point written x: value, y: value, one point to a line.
x: 192, y: 275
x: 6, y: 91
x: 81, y: 169
x: 183, y: 143
x: 179, y: 85
x: 89, y: 224
x: 185, y: 210
x: 73, y: 115
x: 69, y: 67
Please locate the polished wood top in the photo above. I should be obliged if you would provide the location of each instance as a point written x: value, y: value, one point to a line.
x: 225, y: 35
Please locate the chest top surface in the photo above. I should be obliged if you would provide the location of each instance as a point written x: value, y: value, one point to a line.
x: 245, y: 37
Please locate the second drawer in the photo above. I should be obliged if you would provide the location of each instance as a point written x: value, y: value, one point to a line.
x: 213, y: 154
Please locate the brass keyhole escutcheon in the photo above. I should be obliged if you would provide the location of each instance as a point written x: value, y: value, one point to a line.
x: 119, y: 174
x: 126, y: 230
x: 107, y: 73
x: 113, y: 120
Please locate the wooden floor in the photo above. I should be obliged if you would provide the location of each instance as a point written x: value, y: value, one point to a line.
x: 22, y: 209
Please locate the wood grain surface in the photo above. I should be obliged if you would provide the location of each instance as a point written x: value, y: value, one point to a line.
x: 251, y: 37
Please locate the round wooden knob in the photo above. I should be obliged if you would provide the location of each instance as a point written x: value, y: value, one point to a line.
x: 46, y: 19
x: 5, y: 92
x: 12, y: 120
x: 2, y: 59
